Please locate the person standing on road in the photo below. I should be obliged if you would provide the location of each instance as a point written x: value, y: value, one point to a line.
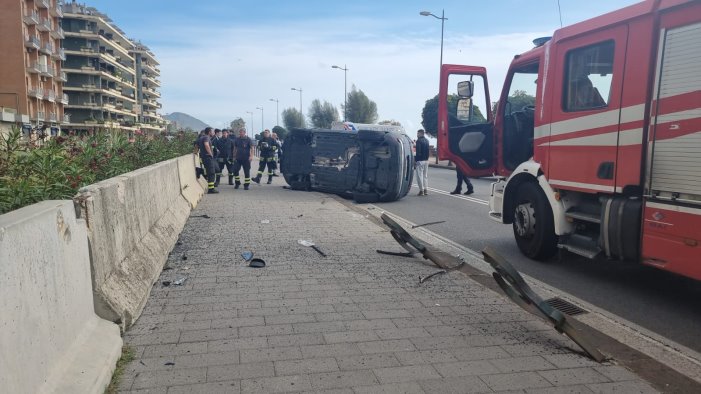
x: 226, y: 155
x: 215, y: 150
x: 268, y: 151
x: 462, y: 178
x: 421, y: 162
x: 204, y: 143
x: 243, y: 154
x: 278, y: 153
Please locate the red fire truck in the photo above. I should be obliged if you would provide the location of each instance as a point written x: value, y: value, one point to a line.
x: 595, y: 140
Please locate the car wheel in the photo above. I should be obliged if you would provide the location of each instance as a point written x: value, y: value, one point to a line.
x: 533, y: 223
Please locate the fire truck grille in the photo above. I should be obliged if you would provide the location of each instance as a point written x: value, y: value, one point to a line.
x: 565, y: 307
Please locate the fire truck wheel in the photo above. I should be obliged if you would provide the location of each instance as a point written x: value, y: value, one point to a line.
x: 533, y: 223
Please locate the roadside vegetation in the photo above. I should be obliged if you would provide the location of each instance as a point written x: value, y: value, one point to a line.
x: 55, y: 169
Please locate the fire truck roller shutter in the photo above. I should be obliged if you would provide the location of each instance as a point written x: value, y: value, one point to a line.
x: 620, y: 227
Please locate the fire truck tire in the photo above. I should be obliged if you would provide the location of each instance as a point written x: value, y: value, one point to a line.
x: 533, y: 223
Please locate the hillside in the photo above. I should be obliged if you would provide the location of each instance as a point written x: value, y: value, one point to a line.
x: 185, y: 121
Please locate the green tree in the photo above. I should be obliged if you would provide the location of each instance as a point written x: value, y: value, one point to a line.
x: 322, y: 114
x: 360, y: 108
x: 292, y: 118
x: 237, y: 124
x: 390, y: 122
x: 429, y: 115
x: 518, y: 100
x: 281, y: 132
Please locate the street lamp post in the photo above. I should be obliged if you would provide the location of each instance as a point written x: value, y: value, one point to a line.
x: 345, y: 89
x: 300, y: 101
x: 277, y: 108
x: 262, y: 127
x: 251, y: 127
x: 442, y: 19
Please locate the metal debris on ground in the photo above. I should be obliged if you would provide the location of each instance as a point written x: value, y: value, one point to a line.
x: 400, y: 254
x: 428, y: 224
x: 519, y: 292
x: 179, y: 282
x: 169, y: 363
x: 310, y: 244
x: 205, y: 216
x: 247, y: 255
x: 443, y: 260
x: 425, y: 278
x: 166, y: 283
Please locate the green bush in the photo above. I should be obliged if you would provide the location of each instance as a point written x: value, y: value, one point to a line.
x: 57, y: 168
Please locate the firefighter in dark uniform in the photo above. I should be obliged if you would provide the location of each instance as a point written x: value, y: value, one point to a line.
x: 225, y: 146
x: 215, y: 150
x: 243, y: 154
x: 268, y: 152
x: 207, y: 157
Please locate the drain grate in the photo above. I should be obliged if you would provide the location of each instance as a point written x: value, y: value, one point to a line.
x: 565, y: 307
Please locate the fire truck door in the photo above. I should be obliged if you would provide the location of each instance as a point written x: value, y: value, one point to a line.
x: 465, y: 127
x: 672, y: 213
x: 586, y: 111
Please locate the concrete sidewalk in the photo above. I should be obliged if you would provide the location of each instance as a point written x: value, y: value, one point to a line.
x: 352, y: 322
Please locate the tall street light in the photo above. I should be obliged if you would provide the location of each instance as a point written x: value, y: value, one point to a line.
x: 262, y: 127
x: 250, y: 127
x: 277, y: 107
x: 442, y: 19
x: 300, y: 100
x: 345, y: 89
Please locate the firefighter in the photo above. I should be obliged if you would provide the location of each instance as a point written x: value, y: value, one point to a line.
x: 207, y: 157
x: 216, y: 141
x: 268, y: 151
x: 243, y: 154
x: 225, y: 146
x: 279, y: 152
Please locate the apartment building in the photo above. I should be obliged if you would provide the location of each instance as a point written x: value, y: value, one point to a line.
x: 31, y: 76
x: 101, y: 82
x: 147, y: 84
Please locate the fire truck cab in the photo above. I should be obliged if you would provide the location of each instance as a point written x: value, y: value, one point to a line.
x: 595, y: 140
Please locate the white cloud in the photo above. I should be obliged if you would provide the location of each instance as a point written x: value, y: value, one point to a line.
x: 217, y: 74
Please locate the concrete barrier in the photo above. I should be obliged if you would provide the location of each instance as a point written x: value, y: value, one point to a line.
x: 51, y: 340
x: 133, y: 222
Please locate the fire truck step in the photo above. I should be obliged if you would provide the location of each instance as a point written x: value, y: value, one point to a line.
x: 581, y: 245
x: 584, y: 216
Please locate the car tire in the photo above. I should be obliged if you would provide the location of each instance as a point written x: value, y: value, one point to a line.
x: 533, y: 223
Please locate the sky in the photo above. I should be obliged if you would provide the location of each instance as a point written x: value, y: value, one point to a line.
x: 221, y: 59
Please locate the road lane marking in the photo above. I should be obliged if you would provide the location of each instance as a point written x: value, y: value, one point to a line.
x: 460, y: 196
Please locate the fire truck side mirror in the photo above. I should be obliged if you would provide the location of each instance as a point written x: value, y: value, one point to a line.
x: 465, y: 89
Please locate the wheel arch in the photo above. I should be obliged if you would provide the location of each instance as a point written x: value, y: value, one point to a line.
x: 530, y: 171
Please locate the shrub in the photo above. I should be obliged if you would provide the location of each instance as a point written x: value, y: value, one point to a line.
x: 57, y: 168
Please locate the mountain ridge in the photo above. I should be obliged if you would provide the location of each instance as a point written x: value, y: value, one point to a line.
x: 184, y: 121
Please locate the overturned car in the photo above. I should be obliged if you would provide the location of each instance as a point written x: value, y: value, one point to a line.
x: 368, y: 166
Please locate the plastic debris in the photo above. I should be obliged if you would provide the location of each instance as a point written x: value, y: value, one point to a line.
x: 247, y: 255
x: 166, y: 283
x: 179, y: 282
x: 169, y: 363
x: 310, y: 244
x: 266, y: 221
x: 257, y: 263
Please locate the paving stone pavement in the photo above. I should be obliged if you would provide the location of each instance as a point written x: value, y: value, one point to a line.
x: 352, y: 322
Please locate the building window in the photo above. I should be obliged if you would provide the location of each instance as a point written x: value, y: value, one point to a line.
x: 588, y: 78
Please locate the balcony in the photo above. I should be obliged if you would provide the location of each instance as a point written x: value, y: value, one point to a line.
x: 62, y: 76
x: 56, y: 10
x: 31, y: 18
x: 32, y: 42
x: 44, y: 25
x: 47, y: 48
x: 36, y: 92
x: 60, y: 54
x: 58, y: 33
x: 42, y: 3
x: 66, y: 118
x: 53, y: 118
x: 50, y: 95
x: 64, y: 99
x: 40, y: 115
x: 36, y: 68
x: 47, y: 71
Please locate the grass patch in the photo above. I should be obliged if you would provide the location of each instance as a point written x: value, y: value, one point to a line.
x: 127, y: 356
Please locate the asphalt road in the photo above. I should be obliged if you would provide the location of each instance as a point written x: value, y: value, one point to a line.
x: 664, y: 303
